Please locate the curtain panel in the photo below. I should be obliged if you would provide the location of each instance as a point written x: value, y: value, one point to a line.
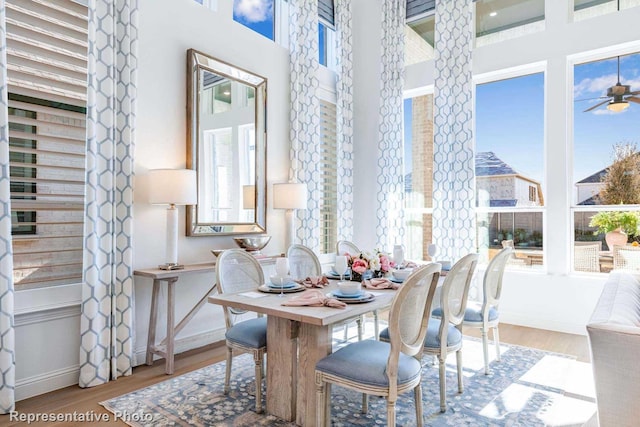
x: 7, y: 336
x: 106, y: 328
x: 390, y: 177
x: 344, y: 117
x: 304, y: 154
x: 454, y: 218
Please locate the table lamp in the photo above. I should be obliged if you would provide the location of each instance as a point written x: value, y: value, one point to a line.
x: 172, y: 187
x: 290, y: 196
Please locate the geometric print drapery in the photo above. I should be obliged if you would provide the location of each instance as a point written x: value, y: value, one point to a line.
x: 344, y: 117
x: 7, y: 337
x: 454, y: 220
x: 390, y: 179
x: 305, y: 154
x: 106, y: 321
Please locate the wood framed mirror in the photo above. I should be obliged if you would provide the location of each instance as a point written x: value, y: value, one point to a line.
x: 226, y: 146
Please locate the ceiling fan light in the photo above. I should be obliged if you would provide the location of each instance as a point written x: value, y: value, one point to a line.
x: 617, y: 106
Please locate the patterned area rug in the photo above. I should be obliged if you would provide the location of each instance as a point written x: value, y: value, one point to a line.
x: 528, y: 387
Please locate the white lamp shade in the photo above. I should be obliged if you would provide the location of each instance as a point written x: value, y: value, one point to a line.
x: 173, y: 187
x: 290, y: 196
x: 248, y: 197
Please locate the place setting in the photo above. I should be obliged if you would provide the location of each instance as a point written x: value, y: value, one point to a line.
x: 281, y: 283
x: 351, y: 293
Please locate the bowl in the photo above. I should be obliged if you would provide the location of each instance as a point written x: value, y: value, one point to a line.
x: 275, y: 280
x: 252, y: 244
x: 349, y: 288
x: 402, y: 274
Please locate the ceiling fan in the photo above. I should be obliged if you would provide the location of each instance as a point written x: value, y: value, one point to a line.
x: 618, y: 96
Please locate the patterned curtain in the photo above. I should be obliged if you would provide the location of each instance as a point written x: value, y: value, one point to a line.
x: 344, y: 117
x: 106, y: 349
x: 390, y: 182
x: 305, y: 116
x: 7, y: 339
x: 454, y: 222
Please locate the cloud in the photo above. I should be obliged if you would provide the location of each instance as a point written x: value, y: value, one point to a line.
x: 598, y: 86
x: 253, y: 10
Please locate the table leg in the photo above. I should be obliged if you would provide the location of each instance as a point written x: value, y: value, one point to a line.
x: 281, y: 367
x: 171, y: 308
x: 314, y: 343
x: 153, y: 318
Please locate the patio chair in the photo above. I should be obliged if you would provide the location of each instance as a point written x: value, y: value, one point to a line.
x: 586, y: 257
x: 447, y: 321
x: 384, y: 368
x: 485, y: 315
x: 626, y: 258
x: 239, y: 271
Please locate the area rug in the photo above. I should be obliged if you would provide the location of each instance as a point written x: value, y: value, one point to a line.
x: 528, y: 387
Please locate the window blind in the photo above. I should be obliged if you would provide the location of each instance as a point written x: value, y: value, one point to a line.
x: 46, y: 75
x: 329, y: 173
x: 325, y: 11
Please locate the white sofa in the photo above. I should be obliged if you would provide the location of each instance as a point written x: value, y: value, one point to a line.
x: 614, y: 339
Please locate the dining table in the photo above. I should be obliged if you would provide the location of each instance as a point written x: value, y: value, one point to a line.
x: 298, y: 337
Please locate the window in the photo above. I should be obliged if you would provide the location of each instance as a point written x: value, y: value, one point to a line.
x: 498, y: 20
x: 509, y: 167
x: 326, y: 34
x: 418, y: 175
x: 47, y: 74
x: 419, y: 39
x: 585, y: 9
x: 257, y: 15
x: 329, y: 202
x: 606, y: 157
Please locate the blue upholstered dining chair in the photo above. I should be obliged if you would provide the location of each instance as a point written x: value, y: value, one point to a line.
x: 485, y: 315
x: 447, y: 321
x: 239, y: 271
x: 303, y: 262
x: 384, y: 368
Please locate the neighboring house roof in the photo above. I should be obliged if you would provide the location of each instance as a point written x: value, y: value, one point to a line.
x: 595, y: 178
x: 488, y: 164
x: 593, y: 200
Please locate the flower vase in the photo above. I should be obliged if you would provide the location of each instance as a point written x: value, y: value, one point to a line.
x: 357, y: 277
x: 616, y: 237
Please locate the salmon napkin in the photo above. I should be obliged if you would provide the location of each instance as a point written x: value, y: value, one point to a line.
x: 314, y: 282
x: 314, y: 298
x: 380, y: 283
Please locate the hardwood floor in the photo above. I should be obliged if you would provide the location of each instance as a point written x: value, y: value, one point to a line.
x: 70, y: 399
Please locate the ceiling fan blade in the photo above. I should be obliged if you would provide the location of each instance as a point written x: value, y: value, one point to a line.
x: 633, y: 99
x: 636, y: 92
x: 593, y: 107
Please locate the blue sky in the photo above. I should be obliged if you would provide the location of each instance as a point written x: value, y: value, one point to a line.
x: 510, y: 118
x: 255, y: 14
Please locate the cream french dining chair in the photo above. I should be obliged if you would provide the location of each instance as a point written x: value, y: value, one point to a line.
x: 239, y: 271
x: 347, y: 247
x: 447, y: 321
x: 384, y: 368
x: 485, y: 315
x: 303, y: 262
x: 626, y: 258
x: 586, y: 257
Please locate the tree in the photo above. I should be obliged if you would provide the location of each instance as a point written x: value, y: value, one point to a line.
x: 622, y: 180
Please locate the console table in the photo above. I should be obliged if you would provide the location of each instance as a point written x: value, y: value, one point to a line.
x: 165, y: 348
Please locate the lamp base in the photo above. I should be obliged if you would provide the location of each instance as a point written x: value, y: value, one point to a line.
x: 171, y: 266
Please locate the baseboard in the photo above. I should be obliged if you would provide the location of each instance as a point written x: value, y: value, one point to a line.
x: 542, y: 323
x: 49, y: 381
x: 184, y: 344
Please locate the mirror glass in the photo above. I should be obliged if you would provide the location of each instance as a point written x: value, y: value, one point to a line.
x: 226, y: 145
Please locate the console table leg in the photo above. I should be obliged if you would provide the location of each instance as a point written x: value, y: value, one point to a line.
x: 171, y: 305
x: 153, y: 317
